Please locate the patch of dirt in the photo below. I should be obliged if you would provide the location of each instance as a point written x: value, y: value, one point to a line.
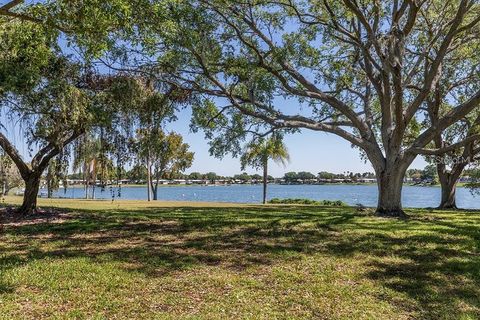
x: 10, y: 217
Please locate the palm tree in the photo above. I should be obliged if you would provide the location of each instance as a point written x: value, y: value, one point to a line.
x: 258, y: 152
x: 87, y: 156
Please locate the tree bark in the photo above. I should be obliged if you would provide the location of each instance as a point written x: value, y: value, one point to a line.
x: 448, y: 179
x: 85, y: 179
x: 149, y: 181
x: 32, y: 185
x: 5, y: 187
x: 155, y: 181
x: 49, y: 191
x: 265, y: 181
x: 448, y: 184
x: 38, y: 165
x: 390, y: 183
x: 448, y: 195
x: 155, y: 190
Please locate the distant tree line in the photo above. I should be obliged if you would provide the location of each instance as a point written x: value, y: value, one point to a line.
x: 137, y: 174
x: 324, y: 176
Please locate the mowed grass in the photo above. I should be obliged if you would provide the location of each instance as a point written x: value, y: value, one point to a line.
x: 133, y: 260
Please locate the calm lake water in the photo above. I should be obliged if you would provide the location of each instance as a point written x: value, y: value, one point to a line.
x: 413, y: 196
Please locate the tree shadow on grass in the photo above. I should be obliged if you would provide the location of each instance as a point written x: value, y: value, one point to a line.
x: 5, y: 288
x: 432, y: 258
x: 169, y: 239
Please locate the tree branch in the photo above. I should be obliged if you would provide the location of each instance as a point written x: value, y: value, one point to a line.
x: 451, y: 147
x: 14, y: 155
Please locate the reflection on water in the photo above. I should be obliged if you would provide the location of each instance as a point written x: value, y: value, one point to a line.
x: 351, y: 194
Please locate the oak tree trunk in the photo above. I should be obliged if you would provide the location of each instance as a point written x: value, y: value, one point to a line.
x: 448, y: 184
x: 390, y: 183
x: 39, y: 163
x: 448, y: 196
x: 32, y: 185
x: 448, y: 179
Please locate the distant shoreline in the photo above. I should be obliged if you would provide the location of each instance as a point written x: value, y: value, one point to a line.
x: 79, y: 186
x: 459, y: 185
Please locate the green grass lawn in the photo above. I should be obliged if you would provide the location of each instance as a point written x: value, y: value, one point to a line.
x: 132, y: 260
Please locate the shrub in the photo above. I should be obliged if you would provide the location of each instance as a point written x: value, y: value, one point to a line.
x: 336, y: 203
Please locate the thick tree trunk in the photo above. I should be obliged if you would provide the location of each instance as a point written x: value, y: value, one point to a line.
x: 448, y: 184
x: 448, y: 179
x: 32, y: 185
x: 39, y: 163
x: 390, y: 183
x: 448, y: 196
x: 265, y: 182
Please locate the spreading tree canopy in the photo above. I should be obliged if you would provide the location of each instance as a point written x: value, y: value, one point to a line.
x: 362, y: 70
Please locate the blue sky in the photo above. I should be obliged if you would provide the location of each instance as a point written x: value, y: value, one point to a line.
x: 309, y: 151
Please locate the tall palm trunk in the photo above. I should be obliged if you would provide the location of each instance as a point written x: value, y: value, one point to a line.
x: 85, y: 179
x: 155, y: 182
x: 94, y: 176
x: 149, y: 180
x: 155, y: 190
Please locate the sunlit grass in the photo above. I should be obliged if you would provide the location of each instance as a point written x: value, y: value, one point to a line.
x: 170, y: 260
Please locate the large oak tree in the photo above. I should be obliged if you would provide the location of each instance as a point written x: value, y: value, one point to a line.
x: 362, y: 70
x: 458, y: 79
x: 40, y: 88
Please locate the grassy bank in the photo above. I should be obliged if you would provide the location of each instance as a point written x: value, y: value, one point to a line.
x: 133, y: 260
